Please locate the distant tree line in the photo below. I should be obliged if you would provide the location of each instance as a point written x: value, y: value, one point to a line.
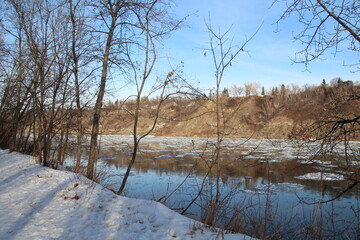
x: 323, y: 95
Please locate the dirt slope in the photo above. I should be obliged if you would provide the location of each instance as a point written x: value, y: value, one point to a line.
x: 241, y: 117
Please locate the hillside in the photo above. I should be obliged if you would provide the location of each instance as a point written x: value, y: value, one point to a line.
x: 255, y: 116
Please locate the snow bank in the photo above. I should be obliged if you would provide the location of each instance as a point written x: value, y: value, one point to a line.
x: 42, y: 203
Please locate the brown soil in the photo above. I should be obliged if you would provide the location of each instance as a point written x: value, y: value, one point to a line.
x: 243, y: 117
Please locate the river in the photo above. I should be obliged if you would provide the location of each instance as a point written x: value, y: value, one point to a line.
x: 267, y: 188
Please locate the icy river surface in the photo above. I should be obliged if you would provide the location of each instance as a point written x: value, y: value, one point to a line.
x: 266, y: 187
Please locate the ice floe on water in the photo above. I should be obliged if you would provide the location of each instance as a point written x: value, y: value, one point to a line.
x: 274, y: 188
x: 276, y: 150
x: 165, y: 156
x: 318, y: 176
x: 319, y: 162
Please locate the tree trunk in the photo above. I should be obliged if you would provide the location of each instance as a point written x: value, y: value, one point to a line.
x: 75, y: 59
x: 97, y: 109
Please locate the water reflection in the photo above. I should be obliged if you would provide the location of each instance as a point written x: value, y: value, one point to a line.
x: 258, y: 173
x: 254, y: 170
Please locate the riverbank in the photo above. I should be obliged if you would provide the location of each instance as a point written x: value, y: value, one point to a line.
x: 42, y: 203
x: 258, y: 117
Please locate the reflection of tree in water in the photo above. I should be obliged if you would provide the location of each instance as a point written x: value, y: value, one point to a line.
x: 235, y: 169
x: 254, y: 181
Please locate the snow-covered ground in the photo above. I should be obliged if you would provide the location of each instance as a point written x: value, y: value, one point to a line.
x: 42, y: 203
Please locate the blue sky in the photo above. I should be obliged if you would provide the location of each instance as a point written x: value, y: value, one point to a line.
x: 268, y: 58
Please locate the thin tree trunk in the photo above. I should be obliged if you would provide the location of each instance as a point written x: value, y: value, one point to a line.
x: 60, y: 146
x: 65, y: 144
x: 97, y: 109
x: 75, y: 59
x: 145, y: 74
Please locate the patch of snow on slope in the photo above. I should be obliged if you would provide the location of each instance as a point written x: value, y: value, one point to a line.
x: 42, y: 203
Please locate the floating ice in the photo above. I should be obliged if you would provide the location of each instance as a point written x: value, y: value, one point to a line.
x: 321, y: 176
x: 274, y: 188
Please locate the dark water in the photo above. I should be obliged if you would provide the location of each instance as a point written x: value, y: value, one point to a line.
x: 267, y: 187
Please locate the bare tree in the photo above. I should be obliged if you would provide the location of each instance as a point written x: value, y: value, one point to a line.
x: 327, y: 25
x: 236, y: 91
x: 223, y: 52
x: 152, y: 30
x: 12, y: 74
x: 330, y: 25
x: 81, y: 41
x: 75, y: 70
x: 110, y: 14
x: 41, y: 63
x: 251, y: 88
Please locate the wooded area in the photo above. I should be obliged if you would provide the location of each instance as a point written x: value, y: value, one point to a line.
x: 56, y: 59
